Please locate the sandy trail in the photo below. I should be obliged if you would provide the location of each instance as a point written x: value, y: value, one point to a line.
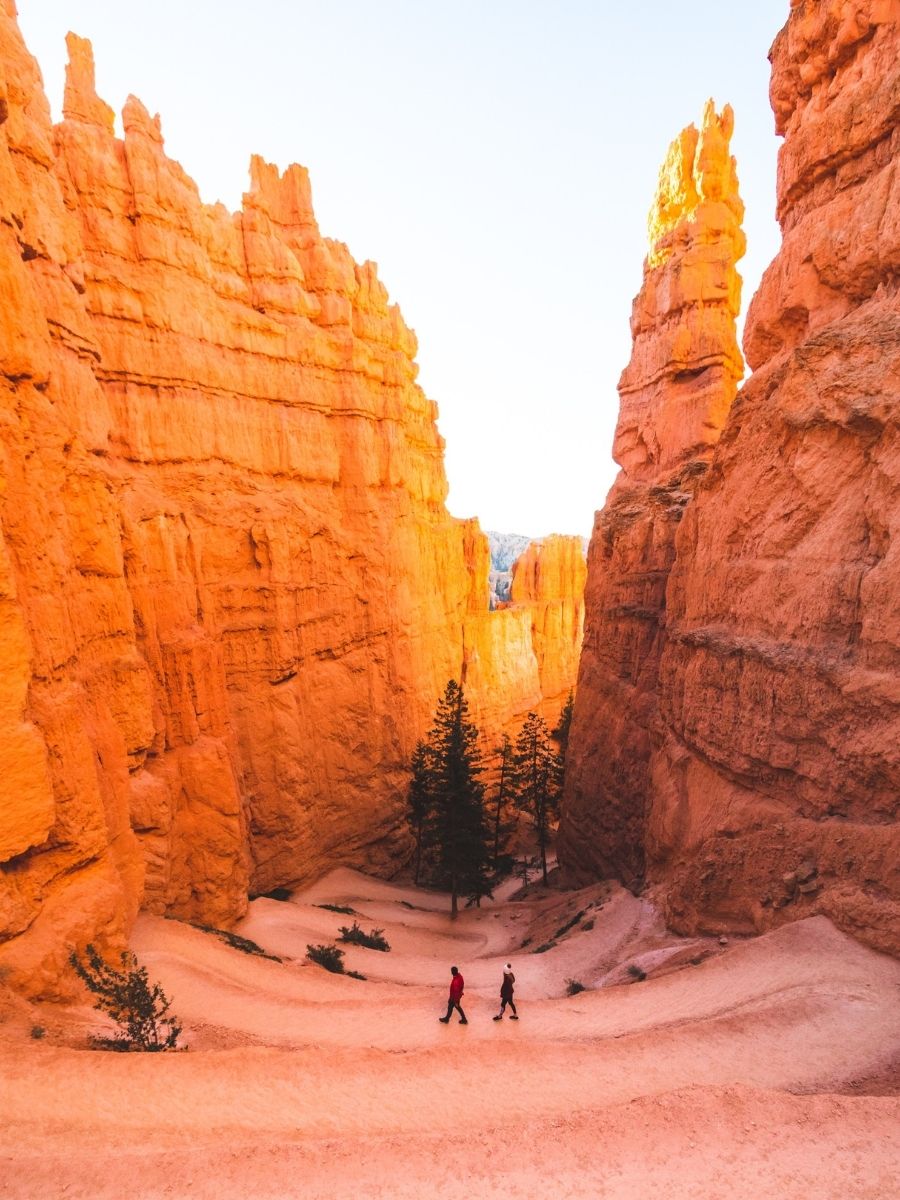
x: 303, y: 1083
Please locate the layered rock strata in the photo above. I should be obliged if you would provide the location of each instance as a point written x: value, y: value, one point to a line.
x: 771, y: 783
x: 231, y: 591
x: 675, y: 396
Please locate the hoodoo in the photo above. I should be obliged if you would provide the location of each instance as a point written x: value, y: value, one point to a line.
x: 736, y: 736
x: 231, y: 590
x: 675, y: 397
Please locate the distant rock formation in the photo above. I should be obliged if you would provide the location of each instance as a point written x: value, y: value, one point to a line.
x: 736, y: 737
x: 505, y: 549
x: 231, y: 591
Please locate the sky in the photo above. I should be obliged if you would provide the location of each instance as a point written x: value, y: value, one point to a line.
x: 496, y: 158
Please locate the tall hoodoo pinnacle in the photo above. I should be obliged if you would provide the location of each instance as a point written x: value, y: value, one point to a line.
x: 675, y: 395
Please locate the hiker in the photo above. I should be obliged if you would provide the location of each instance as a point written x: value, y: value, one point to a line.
x: 457, y: 983
x: 506, y: 994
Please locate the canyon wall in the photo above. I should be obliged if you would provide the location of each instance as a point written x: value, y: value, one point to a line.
x: 675, y: 396
x: 231, y: 591
x: 768, y: 712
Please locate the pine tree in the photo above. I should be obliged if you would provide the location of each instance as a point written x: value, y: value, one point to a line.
x: 501, y: 831
x: 455, y: 830
x: 564, y: 724
x: 419, y: 798
x: 536, y: 780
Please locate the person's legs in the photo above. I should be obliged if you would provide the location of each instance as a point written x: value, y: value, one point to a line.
x: 512, y: 1005
x: 446, y: 1020
x: 462, y: 1015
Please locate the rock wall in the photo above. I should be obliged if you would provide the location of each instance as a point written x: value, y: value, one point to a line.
x: 231, y: 591
x: 772, y: 779
x: 675, y: 396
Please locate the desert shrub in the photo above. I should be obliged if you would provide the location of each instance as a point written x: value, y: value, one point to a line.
x: 329, y: 957
x: 569, y: 924
x: 139, y: 1008
x: 636, y: 973
x: 358, y: 937
x: 354, y: 975
x: 588, y: 925
x: 546, y: 946
x: 37, y: 1032
x: 236, y: 942
x: 573, y: 987
x: 338, y: 908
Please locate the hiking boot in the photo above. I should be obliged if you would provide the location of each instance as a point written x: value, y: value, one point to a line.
x: 444, y: 1020
x: 498, y: 1018
x: 464, y: 1021
x: 514, y: 1017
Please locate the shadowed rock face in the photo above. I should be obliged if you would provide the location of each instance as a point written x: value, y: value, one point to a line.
x: 675, y: 396
x: 768, y: 779
x: 230, y: 592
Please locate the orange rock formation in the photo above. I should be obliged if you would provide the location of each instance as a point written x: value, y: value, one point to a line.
x: 675, y: 396
x: 231, y: 590
x: 768, y: 777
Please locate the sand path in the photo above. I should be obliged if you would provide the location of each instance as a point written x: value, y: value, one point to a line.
x: 697, y: 1082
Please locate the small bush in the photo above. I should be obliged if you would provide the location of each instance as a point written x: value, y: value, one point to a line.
x: 636, y: 973
x: 588, y: 925
x: 354, y: 975
x: 569, y: 924
x: 338, y: 908
x: 406, y: 904
x: 37, y: 1032
x: 573, y: 987
x: 329, y: 957
x: 543, y: 949
x: 236, y: 942
x: 139, y: 1009
x: 358, y: 937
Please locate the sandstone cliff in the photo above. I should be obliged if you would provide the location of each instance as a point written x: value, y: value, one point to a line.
x: 768, y: 780
x: 675, y: 396
x: 231, y: 591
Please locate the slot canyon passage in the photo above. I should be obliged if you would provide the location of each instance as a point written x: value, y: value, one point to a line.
x: 231, y: 594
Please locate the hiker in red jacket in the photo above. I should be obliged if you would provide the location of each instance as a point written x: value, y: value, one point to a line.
x: 457, y: 983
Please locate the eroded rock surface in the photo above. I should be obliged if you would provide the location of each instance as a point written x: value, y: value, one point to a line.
x: 675, y: 396
x: 767, y: 703
x: 231, y: 591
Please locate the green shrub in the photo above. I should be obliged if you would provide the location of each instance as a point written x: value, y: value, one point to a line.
x: 236, y: 942
x: 358, y: 937
x: 37, y: 1032
x: 139, y: 1009
x: 569, y: 924
x: 354, y: 975
x: 338, y: 908
x: 588, y: 925
x: 636, y: 973
x: 329, y: 957
x: 573, y: 987
x: 546, y: 946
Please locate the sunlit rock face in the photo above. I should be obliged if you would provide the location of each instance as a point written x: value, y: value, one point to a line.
x: 231, y: 591
x: 675, y: 396
x: 769, y: 785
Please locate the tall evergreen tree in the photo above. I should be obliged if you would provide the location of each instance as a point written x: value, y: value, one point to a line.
x: 419, y: 799
x: 536, y: 780
x: 455, y: 832
x: 501, y: 831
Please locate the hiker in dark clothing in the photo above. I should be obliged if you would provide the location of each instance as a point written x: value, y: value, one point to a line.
x: 457, y: 983
x: 506, y: 994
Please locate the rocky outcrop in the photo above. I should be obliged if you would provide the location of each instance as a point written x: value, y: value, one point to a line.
x: 548, y: 582
x: 231, y: 591
x: 771, y: 780
x: 675, y: 396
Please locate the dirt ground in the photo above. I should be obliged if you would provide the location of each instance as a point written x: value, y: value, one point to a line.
x: 760, y: 1068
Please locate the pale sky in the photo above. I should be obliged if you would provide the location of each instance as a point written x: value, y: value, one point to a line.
x: 497, y: 159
